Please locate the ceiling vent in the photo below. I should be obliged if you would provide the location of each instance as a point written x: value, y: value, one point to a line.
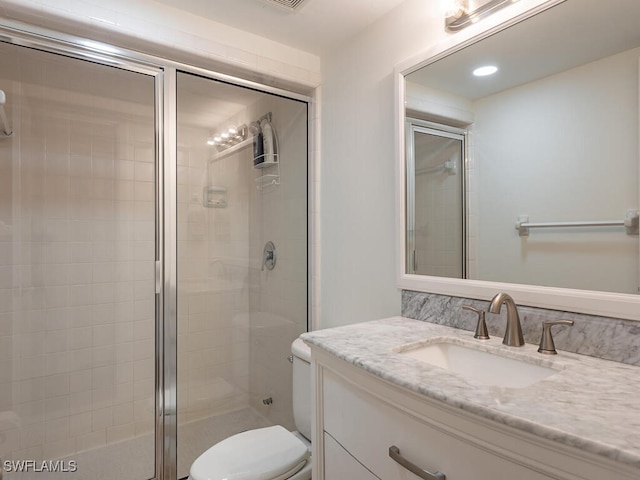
x: 289, y: 5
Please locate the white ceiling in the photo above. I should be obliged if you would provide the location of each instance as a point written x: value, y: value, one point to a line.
x: 318, y: 26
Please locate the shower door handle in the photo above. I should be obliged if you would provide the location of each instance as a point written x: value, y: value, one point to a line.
x: 158, y: 277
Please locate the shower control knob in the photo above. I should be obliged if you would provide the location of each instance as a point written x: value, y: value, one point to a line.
x: 269, y: 256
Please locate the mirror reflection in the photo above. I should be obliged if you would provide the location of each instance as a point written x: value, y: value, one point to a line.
x: 435, y: 230
x: 547, y: 142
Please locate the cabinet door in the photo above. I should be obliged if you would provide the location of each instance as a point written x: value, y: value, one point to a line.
x: 366, y: 427
x: 339, y: 465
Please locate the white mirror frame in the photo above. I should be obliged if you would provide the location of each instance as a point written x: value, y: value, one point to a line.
x: 607, y: 304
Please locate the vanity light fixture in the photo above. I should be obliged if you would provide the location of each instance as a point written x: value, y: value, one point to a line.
x: 454, y: 8
x: 228, y: 138
x: 460, y: 13
x: 485, y: 70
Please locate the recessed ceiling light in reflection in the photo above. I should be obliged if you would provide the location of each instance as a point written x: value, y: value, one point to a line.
x: 486, y: 70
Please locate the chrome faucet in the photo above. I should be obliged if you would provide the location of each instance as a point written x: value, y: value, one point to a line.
x: 513, y: 333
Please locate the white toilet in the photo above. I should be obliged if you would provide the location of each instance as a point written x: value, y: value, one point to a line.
x: 271, y: 453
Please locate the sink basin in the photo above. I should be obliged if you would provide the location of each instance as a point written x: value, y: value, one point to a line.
x: 479, y: 366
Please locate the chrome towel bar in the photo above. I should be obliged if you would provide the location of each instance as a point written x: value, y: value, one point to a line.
x: 630, y: 223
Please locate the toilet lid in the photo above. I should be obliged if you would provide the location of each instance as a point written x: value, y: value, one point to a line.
x: 262, y: 454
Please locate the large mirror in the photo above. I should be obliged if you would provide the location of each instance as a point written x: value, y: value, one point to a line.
x: 529, y: 176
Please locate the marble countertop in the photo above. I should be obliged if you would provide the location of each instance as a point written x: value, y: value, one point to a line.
x: 591, y: 404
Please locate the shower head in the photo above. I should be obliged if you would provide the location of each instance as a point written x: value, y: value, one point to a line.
x: 254, y: 128
x: 3, y: 97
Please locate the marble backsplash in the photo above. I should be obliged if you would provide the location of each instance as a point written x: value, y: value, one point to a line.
x: 608, y: 338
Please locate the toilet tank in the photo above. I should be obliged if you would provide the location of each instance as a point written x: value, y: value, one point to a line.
x: 302, y: 387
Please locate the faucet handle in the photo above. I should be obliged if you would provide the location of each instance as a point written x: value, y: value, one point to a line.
x: 481, y: 327
x: 546, y: 341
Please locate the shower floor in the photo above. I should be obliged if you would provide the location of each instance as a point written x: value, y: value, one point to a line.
x: 133, y: 459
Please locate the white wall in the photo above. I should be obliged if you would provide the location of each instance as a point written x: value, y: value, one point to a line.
x: 358, y: 185
x: 358, y: 269
x: 442, y: 106
x: 555, y: 150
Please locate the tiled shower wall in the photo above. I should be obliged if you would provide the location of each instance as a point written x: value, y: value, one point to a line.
x: 278, y: 297
x: 77, y: 235
x: 76, y: 263
x: 236, y: 321
x: 213, y: 302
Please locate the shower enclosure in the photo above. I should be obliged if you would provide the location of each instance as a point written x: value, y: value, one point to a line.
x: 435, y: 199
x: 141, y: 318
x: 236, y: 316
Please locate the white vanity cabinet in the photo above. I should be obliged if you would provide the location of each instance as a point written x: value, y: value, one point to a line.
x: 359, y: 416
x: 341, y: 464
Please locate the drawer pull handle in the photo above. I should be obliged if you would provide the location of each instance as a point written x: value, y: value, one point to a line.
x: 394, y: 453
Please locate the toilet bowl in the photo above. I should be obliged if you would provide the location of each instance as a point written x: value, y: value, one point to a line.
x: 271, y: 453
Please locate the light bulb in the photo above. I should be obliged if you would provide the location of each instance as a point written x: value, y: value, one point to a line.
x: 485, y: 70
x: 454, y: 8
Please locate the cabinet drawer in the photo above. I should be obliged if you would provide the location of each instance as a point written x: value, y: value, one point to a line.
x: 367, y: 426
x: 339, y: 465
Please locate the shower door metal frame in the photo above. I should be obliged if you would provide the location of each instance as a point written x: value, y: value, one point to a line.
x: 413, y: 126
x: 47, y: 41
x: 164, y: 73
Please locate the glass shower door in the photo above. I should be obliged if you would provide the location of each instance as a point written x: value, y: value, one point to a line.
x: 237, y: 313
x: 87, y: 310
x: 77, y: 275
